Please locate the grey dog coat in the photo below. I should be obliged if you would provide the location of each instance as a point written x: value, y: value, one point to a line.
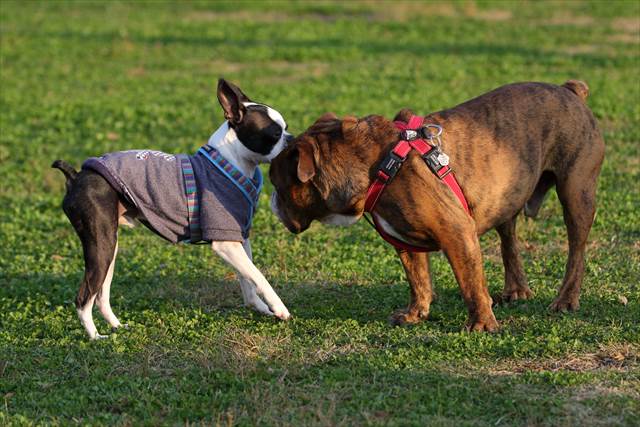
x: 154, y: 183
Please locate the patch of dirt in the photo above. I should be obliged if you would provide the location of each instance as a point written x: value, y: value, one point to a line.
x: 327, y: 352
x: 218, y: 66
x: 625, y: 38
x: 493, y: 15
x: 621, y: 357
x: 569, y: 19
x: 397, y: 11
x: 627, y: 25
x: 240, y: 351
x: 280, y: 71
x: 579, y: 408
x: 593, y: 391
x: 136, y: 71
x: 581, y: 49
x: 240, y: 15
x: 406, y: 11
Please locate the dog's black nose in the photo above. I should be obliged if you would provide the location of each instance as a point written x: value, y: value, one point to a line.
x: 288, y: 138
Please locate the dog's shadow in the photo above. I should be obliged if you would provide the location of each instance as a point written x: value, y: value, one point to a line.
x: 311, y: 301
x: 376, y: 303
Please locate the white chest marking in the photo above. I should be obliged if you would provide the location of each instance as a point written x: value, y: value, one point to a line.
x: 340, y: 220
x: 227, y: 143
x: 387, y: 228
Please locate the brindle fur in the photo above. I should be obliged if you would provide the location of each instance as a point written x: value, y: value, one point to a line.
x: 507, y: 148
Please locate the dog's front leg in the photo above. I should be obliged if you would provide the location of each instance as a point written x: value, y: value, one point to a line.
x: 462, y: 248
x: 416, y: 267
x: 249, y: 295
x: 234, y: 254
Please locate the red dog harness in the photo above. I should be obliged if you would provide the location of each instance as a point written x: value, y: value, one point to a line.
x: 436, y: 160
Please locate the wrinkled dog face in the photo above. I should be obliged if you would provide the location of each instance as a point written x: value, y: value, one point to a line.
x: 260, y: 128
x: 295, y: 199
x: 304, y: 190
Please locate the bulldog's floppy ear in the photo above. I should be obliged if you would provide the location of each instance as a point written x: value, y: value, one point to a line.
x: 326, y: 117
x: 403, y: 115
x: 349, y: 127
x: 231, y: 98
x: 307, y: 158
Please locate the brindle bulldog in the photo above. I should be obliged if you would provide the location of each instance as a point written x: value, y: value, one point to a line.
x: 507, y: 148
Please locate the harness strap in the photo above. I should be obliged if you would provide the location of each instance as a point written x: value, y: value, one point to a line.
x: 250, y: 188
x: 193, y: 207
x: 398, y: 244
x: 451, y: 181
x: 390, y: 166
x: 444, y: 172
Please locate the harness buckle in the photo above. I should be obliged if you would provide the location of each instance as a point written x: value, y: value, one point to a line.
x: 436, y: 160
x: 391, y: 164
x: 409, y: 134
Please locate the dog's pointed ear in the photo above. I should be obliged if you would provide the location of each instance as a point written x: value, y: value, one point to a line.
x: 307, y: 160
x: 349, y: 127
x: 231, y: 98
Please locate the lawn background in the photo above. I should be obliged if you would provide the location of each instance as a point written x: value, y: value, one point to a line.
x: 84, y: 78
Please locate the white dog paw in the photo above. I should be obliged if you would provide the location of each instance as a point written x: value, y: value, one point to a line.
x: 282, y: 313
x: 100, y: 337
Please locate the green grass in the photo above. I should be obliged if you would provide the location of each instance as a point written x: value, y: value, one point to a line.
x: 79, y: 79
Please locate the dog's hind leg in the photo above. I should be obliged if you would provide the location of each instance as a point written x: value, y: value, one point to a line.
x: 515, y: 281
x: 98, y: 255
x: 92, y: 207
x: 577, y: 194
x: 103, y: 296
x: 85, y: 308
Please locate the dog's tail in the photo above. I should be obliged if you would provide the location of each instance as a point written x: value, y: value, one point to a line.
x: 578, y: 87
x: 69, y: 172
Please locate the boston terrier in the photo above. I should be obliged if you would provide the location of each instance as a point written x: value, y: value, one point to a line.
x: 208, y: 197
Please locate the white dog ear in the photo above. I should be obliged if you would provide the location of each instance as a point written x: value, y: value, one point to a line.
x: 307, y: 160
x: 231, y: 98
